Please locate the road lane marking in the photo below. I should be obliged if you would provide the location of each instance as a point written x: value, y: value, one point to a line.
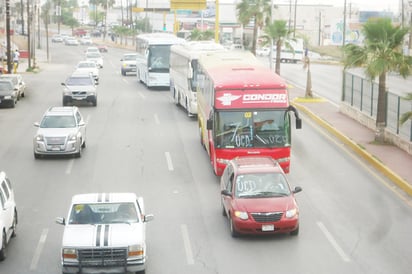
x: 157, y: 121
x: 333, y: 242
x: 186, y: 243
x: 141, y: 95
x: 39, y: 249
x: 69, y: 166
x: 169, y: 161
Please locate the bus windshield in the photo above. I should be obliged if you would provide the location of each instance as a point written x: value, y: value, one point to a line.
x: 252, y: 129
x: 158, y: 59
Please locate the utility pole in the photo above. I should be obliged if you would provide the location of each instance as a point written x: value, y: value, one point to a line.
x: 294, y: 20
x: 9, y: 58
x: 28, y: 34
x: 22, y: 16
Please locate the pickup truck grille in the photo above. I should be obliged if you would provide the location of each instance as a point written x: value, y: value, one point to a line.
x: 267, y: 217
x: 103, y: 257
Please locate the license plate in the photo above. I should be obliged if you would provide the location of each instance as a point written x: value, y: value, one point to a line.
x: 268, y: 227
x: 56, y: 148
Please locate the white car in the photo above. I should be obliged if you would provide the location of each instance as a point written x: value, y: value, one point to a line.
x: 17, y: 81
x: 128, y: 63
x: 95, y: 57
x: 89, y: 67
x: 104, y: 231
x: 8, y: 214
x: 265, y: 51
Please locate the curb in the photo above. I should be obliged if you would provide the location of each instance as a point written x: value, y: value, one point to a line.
x: 401, y: 183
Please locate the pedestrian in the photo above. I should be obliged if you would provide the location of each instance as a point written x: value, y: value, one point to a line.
x: 16, y: 57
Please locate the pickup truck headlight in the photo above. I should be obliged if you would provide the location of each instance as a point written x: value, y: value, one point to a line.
x: 69, y: 253
x: 135, y: 251
x: 40, y: 138
x: 7, y: 97
x: 72, y: 137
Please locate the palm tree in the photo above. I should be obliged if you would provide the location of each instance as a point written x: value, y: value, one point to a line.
x: 407, y: 115
x: 257, y: 10
x: 277, y: 33
x: 380, y: 54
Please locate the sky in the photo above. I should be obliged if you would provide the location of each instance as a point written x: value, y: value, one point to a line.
x: 373, y: 5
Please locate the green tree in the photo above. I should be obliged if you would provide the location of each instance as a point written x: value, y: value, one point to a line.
x: 277, y: 33
x: 197, y: 35
x: 407, y: 115
x: 257, y: 10
x: 380, y: 54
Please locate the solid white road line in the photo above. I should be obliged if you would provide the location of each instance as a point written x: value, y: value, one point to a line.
x: 186, y: 243
x: 157, y: 121
x: 169, y: 161
x: 39, y: 249
x: 69, y: 166
x: 332, y: 241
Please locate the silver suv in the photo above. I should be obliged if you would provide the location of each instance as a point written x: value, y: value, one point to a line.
x: 62, y: 131
x: 80, y: 86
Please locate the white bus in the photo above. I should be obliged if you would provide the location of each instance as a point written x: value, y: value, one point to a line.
x: 153, y: 55
x: 183, y: 64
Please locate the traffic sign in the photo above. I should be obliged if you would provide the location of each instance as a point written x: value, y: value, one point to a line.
x: 187, y: 4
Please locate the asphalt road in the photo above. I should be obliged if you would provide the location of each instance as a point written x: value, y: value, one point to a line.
x: 139, y: 141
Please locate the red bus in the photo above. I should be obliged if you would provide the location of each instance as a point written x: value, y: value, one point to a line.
x: 243, y: 109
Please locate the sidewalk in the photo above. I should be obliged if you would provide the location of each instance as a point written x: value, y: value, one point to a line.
x: 391, y: 161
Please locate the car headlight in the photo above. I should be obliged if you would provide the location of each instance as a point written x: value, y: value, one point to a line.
x: 242, y: 215
x: 69, y: 253
x: 7, y: 97
x: 135, y: 251
x: 40, y: 138
x: 291, y: 213
x: 72, y: 137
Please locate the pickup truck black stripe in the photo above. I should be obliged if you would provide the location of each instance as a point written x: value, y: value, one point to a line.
x: 106, y: 235
x: 99, y: 197
x: 98, y: 232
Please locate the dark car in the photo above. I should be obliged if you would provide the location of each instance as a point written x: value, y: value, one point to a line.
x: 257, y: 199
x: 8, y: 93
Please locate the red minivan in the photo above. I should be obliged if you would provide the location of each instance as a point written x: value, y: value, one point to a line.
x: 257, y: 198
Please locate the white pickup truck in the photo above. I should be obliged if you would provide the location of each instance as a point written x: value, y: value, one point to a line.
x: 8, y: 214
x: 104, y: 232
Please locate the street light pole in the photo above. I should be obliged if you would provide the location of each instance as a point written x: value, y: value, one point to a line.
x: 9, y: 58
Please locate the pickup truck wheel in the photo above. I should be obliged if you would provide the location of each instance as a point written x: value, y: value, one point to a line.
x: 14, y: 225
x: 3, y: 247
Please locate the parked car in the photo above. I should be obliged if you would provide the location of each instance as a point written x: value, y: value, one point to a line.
x: 257, y: 199
x: 57, y: 38
x: 92, y: 49
x: 18, y: 83
x: 8, y: 214
x: 8, y: 93
x: 102, y: 48
x: 128, y: 63
x: 265, y: 51
x: 61, y: 131
x: 89, y: 67
x: 80, y: 86
x: 70, y: 41
x: 86, y: 41
x: 119, y: 221
x: 95, y: 57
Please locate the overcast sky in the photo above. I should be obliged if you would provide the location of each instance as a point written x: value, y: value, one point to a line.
x: 374, y: 5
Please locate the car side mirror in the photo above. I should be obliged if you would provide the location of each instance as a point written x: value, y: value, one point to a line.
x: 36, y: 124
x: 297, y: 189
x: 60, y: 221
x: 148, y: 217
x: 226, y: 192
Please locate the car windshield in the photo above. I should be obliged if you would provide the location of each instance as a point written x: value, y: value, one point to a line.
x: 93, y: 55
x: 6, y: 86
x: 103, y: 213
x: 87, y: 65
x: 11, y: 78
x: 79, y: 81
x: 55, y: 121
x: 129, y: 57
x: 261, y: 185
